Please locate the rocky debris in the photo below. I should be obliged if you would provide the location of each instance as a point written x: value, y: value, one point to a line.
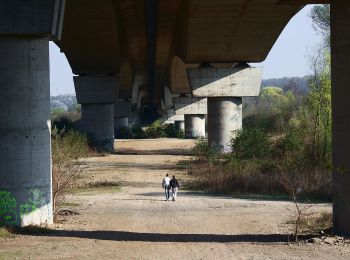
x: 329, y: 240
x: 67, y: 212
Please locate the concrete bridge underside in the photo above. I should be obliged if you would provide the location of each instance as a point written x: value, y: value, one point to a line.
x: 123, y: 47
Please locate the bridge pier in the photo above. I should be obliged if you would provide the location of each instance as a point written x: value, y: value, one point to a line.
x: 224, y: 89
x: 224, y: 117
x: 195, y: 126
x: 25, y: 141
x: 97, y: 94
x: 193, y: 111
x: 180, y: 125
x: 122, y: 111
x: 25, y: 150
x: 340, y: 42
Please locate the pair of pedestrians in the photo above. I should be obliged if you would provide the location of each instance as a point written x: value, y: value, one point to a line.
x: 172, y: 184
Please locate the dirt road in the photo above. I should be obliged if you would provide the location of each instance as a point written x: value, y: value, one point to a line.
x: 132, y: 220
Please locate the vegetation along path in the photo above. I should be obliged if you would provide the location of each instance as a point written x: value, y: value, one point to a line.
x: 123, y: 215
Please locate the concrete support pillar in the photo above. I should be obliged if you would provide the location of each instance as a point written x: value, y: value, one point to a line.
x: 25, y: 150
x: 96, y: 94
x: 121, y: 122
x: 195, y: 126
x: 122, y: 111
x: 180, y: 125
x: 97, y: 121
x: 224, y: 116
x: 340, y: 41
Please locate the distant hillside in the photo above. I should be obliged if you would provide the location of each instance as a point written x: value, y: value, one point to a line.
x: 298, y: 84
x: 65, y: 102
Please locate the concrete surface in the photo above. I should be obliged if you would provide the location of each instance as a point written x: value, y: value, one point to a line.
x: 224, y: 116
x: 194, y: 126
x: 225, y: 82
x: 190, y: 106
x: 25, y: 150
x: 341, y: 115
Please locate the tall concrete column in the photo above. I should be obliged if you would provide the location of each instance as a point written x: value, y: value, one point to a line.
x: 97, y: 121
x: 25, y: 150
x: 224, y: 116
x: 121, y: 122
x: 180, y: 125
x: 195, y: 126
x: 97, y: 94
x: 122, y: 111
x: 340, y: 41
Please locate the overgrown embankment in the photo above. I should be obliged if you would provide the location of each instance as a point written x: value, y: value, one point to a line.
x: 283, y: 148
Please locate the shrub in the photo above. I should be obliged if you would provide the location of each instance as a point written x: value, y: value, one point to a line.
x: 67, y: 147
x: 64, y: 120
x: 250, y: 143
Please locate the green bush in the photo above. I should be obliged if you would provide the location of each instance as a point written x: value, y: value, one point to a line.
x: 64, y: 120
x: 68, y: 145
x: 250, y: 143
x: 156, y: 130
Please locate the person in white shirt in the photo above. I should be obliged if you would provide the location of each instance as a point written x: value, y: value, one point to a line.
x: 166, y: 186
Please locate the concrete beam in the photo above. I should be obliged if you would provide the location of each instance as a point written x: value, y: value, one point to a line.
x: 225, y: 82
x: 171, y: 116
x: 96, y: 89
x: 34, y: 18
x: 190, y: 106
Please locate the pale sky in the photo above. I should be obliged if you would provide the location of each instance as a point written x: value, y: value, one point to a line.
x: 288, y: 57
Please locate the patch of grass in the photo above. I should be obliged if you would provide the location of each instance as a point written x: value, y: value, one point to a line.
x: 315, y: 222
x: 5, y: 233
x: 4, y: 255
x: 70, y: 204
x: 97, y: 187
x: 268, y: 197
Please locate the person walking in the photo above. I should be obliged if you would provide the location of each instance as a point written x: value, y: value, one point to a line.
x: 166, y: 186
x: 174, y: 184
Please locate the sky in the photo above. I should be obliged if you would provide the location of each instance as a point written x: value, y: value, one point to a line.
x: 288, y: 57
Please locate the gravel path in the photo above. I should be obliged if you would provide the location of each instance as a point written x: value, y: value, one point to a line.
x: 134, y: 221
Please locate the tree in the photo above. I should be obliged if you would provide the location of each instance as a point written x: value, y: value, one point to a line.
x: 319, y: 102
x: 320, y: 15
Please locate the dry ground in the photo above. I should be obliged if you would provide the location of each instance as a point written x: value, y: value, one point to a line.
x: 132, y: 220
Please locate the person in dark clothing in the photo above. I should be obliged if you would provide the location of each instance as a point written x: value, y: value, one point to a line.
x: 174, y: 185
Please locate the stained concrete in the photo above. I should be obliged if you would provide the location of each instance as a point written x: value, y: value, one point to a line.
x: 180, y: 125
x: 97, y: 95
x: 224, y: 117
x: 39, y: 18
x: 97, y: 120
x: 225, y: 82
x: 340, y: 24
x: 194, y: 126
x: 25, y: 151
x: 189, y: 105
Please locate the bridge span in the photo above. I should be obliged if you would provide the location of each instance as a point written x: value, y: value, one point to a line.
x: 182, y: 59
